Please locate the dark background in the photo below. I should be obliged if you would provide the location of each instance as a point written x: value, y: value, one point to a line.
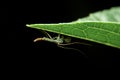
x: 27, y: 54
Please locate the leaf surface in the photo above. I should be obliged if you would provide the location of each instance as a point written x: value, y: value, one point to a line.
x: 101, y: 27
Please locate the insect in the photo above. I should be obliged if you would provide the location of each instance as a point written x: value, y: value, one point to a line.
x: 60, y: 40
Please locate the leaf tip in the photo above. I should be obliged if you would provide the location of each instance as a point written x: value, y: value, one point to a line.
x: 28, y: 25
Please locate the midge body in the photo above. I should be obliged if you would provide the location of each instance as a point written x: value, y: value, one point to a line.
x: 56, y: 40
x: 60, y: 39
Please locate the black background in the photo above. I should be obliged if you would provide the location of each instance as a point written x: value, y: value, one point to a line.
x: 27, y: 54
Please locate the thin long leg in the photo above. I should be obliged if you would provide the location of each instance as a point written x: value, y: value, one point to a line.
x: 58, y: 37
x: 48, y: 35
x: 74, y: 49
x: 75, y: 43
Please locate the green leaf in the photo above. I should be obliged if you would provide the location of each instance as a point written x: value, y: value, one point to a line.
x: 111, y: 15
x: 101, y: 27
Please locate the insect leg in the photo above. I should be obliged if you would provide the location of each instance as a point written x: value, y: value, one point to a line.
x: 74, y: 49
x: 75, y: 43
x: 48, y: 35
